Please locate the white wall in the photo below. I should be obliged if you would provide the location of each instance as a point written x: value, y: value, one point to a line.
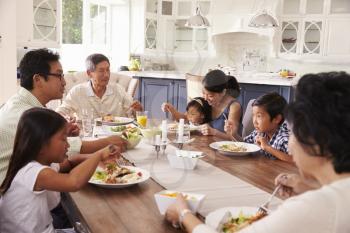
x: 8, y: 60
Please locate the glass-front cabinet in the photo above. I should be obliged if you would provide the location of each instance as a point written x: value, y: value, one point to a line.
x: 312, y: 37
x: 314, y: 7
x: 290, y: 30
x: 315, y: 28
x: 291, y: 7
x: 165, y: 28
x: 340, y: 7
x: 38, y: 23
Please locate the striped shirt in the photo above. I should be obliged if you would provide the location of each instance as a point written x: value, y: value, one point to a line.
x: 9, y: 118
x: 278, y: 141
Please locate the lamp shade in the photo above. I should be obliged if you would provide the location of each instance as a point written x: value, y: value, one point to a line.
x: 263, y: 20
x: 198, y: 20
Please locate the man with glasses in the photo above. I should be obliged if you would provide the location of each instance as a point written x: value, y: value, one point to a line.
x: 42, y: 80
x: 98, y: 95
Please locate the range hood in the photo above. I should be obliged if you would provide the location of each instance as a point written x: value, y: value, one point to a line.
x: 233, y: 16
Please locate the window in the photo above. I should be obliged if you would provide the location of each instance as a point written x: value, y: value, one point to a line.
x: 94, y: 26
x: 82, y: 17
x: 72, y: 21
x: 98, y: 24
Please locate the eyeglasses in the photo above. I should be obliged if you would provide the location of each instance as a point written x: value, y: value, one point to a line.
x: 60, y: 76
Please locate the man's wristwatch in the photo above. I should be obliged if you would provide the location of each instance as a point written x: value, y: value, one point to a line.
x: 182, y: 215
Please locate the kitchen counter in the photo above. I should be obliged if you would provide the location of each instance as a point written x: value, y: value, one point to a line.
x: 156, y: 74
x: 243, y: 77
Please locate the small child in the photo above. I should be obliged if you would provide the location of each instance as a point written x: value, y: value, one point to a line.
x: 198, y: 111
x: 33, y: 180
x: 271, y: 132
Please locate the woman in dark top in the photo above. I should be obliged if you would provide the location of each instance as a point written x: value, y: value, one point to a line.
x: 221, y: 91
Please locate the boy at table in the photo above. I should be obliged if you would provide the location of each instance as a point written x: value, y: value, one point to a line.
x: 271, y: 132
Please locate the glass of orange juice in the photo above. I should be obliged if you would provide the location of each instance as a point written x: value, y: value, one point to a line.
x: 141, y: 118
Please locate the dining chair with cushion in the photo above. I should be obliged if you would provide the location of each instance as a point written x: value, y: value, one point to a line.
x: 247, y: 120
x: 194, y: 86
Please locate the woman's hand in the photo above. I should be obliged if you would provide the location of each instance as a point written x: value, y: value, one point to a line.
x: 294, y: 184
x: 174, y: 210
x: 229, y: 126
x: 207, y: 130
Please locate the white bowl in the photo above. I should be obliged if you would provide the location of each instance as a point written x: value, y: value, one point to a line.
x: 163, y: 201
x: 184, y: 159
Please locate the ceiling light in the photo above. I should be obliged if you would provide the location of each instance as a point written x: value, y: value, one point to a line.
x: 263, y: 20
x: 198, y: 20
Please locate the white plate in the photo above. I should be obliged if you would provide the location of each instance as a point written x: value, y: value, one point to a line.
x: 145, y: 176
x: 251, y: 148
x: 214, y: 218
x: 117, y: 121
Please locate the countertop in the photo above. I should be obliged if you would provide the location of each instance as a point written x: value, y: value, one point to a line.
x: 243, y: 77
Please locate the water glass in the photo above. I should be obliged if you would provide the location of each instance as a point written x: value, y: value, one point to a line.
x: 87, y: 122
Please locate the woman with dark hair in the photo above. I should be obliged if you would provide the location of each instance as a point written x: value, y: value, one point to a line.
x: 320, y: 148
x: 221, y: 91
x: 33, y: 180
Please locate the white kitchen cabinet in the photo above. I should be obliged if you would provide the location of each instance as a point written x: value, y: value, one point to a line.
x: 38, y: 23
x: 315, y: 28
x: 290, y: 31
x: 188, y: 39
x: 164, y: 27
x: 338, y: 42
x: 340, y: 7
x: 312, y: 37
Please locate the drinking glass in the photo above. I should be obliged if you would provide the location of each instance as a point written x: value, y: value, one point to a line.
x: 87, y: 122
x: 141, y: 118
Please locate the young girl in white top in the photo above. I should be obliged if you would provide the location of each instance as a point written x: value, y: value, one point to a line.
x: 34, y: 179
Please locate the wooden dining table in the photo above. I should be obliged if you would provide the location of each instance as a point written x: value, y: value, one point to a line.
x: 133, y: 209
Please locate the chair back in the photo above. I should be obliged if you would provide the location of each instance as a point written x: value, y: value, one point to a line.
x: 247, y: 120
x: 193, y: 85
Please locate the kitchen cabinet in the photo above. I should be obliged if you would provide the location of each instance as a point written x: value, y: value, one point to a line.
x: 164, y: 27
x: 152, y: 92
x: 253, y: 91
x: 38, y: 23
x: 315, y: 28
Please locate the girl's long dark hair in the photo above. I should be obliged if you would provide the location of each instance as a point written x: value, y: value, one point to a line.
x: 35, y: 129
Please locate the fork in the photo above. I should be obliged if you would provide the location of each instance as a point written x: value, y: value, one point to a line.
x: 263, y: 209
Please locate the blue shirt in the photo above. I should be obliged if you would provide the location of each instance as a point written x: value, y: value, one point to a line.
x: 219, y: 122
x: 278, y: 141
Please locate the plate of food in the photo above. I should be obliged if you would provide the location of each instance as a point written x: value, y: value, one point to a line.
x: 114, y: 176
x: 234, y: 148
x: 114, y: 120
x: 233, y: 219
